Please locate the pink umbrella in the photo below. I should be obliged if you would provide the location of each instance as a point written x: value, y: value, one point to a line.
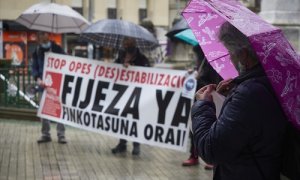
x: 279, y: 59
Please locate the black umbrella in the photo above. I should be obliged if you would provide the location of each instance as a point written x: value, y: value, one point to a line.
x: 111, y: 32
x: 179, y: 26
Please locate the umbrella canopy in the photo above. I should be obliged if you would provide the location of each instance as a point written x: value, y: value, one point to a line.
x: 178, y: 27
x: 279, y: 60
x: 52, y: 17
x: 187, y: 36
x: 111, y: 32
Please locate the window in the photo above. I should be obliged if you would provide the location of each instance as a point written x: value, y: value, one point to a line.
x: 142, y: 14
x: 111, y: 13
x: 78, y: 9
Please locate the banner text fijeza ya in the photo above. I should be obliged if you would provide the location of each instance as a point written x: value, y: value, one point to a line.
x: 139, y: 104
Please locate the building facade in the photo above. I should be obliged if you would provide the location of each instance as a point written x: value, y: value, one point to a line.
x: 93, y: 10
x: 163, y: 14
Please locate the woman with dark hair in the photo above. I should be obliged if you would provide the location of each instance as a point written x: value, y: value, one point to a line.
x: 205, y: 75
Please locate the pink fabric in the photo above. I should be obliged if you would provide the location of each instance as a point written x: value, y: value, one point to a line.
x: 280, y: 61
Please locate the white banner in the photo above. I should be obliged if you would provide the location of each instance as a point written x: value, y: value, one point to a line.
x: 141, y: 104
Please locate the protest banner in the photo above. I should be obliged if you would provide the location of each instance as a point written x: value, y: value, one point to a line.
x: 141, y: 104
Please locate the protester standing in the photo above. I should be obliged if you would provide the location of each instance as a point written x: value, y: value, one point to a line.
x: 130, y: 55
x: 45, y: 45
x: 245, y: 141
x: 205, y: 75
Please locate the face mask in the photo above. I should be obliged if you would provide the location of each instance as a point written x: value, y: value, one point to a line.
x: 241, y: 68
x: 46, y: 45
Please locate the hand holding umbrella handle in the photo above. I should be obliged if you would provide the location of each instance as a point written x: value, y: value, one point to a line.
x: 40, y: 83
x: 48, y: 89
x: 205, y: 93
x: 224, y: 87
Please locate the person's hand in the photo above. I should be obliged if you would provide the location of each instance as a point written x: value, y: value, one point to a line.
x: 224, y: 87
x: 126, y: 64
x: 204, y: 93
x: 190, y: 72
x: 40, y: 82
x: 51, y: 90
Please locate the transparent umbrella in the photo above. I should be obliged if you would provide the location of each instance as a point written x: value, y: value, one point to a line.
x: 52, y: 17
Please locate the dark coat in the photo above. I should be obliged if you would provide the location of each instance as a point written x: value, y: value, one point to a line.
x: 250, y: 128
x: 207, y: 76
x: 139, y: 59
x: 38, y: 55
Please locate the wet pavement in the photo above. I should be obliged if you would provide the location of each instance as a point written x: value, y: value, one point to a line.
x: 87, y: 156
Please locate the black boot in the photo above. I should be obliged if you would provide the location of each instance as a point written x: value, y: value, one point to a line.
x: 120, y: 148
x: 136, y: 149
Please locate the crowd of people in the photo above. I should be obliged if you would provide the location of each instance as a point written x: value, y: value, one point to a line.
x: 239, y: 143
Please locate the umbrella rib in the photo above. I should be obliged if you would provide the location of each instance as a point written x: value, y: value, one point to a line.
x: 52, y: 27
x: 30, y: 22
x: 49, y: 17
x: 35, y: 19
x: 79, y: 25
x: 216, y: 58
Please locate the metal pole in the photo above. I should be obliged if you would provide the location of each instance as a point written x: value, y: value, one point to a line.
x: 1, y: 40
x: 177, y: 7
x: 90, y: 18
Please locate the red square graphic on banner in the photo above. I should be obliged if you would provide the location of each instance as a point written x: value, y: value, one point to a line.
x: 52, y: 105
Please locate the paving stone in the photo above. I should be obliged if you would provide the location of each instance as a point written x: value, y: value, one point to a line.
x: 86, y: 156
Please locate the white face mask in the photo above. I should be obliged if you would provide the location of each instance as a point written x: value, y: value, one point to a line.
x: 46, y: 45
x: 241, y: 68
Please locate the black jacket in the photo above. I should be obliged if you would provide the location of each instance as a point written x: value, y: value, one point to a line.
x: 247, y: 135
x: 139, y: 59
x: 38, y: 55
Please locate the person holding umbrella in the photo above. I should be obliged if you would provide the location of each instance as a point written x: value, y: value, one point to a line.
x: 205, y: 75
x: 245, y: 141
x: 55, y: 18
x: 45, y: 45
x: 130, y: 55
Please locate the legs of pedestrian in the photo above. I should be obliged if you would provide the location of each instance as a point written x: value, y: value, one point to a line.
x: 193, y: 159
x: 46, y: 137
x: 45, y: 132
x: 136, y: 149
x: 45, y: 127
x: 61, y: 133
x: 121, y: 147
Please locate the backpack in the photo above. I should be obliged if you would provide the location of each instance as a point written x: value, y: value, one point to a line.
x: 290, y: 164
